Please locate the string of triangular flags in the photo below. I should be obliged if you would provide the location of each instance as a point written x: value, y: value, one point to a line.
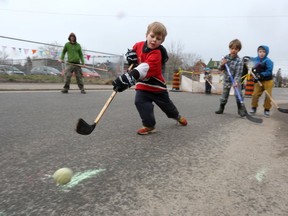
x: 17, y: 51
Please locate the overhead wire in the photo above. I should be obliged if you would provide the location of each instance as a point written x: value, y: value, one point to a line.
x: 145, y: 16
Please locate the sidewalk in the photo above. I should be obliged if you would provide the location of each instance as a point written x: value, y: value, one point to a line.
x: 48, y: 86
x: 11, y: 86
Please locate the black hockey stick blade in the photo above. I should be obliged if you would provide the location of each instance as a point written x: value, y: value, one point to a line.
x: 253, y: 119
x: 282, y: 110
x: 84, y: 128
x: 249, y: 117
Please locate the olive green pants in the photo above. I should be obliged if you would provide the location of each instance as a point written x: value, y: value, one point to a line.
x: 70, y: 69
x: 258, y: 91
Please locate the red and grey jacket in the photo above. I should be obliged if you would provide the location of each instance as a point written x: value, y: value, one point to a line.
x: 150, y: 64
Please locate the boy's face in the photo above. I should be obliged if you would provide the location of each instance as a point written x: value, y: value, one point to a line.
x: 261, y: 53
x: 153, y: 40
x: 233, y: 51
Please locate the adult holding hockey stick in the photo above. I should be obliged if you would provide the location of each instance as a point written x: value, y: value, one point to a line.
x: 75, y: 56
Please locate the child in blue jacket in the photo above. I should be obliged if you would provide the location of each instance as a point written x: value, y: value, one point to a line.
x: 263, y: 68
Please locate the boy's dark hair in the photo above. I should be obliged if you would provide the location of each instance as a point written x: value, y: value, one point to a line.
x: 235, y: 43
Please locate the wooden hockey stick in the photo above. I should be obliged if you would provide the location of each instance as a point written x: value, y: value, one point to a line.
x: 83, y: 127
x: 267, y: 93
x: 210, y: 84
x: 85, y: 66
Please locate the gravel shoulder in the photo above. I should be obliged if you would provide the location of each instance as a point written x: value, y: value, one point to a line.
x: 251, y: 176
x: 248, y: 176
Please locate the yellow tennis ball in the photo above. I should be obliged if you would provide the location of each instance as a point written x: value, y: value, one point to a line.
x: 63, y: 176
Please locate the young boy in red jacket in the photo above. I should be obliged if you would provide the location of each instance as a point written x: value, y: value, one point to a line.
x: 148, y: 59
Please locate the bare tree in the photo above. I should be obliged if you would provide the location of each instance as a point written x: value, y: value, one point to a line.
x: 178, y: 59
x: 278, y: 78
x: 189, y: 60
x: 175, y: 51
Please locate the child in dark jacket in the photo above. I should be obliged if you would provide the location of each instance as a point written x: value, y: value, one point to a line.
x: 149, y: 58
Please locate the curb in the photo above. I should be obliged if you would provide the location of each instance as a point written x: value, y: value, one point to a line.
x: 47, y: 87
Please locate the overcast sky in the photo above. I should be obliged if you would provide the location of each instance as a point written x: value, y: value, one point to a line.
x: 202, y: 27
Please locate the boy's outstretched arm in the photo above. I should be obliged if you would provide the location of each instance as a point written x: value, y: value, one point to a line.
x: 125, y: 81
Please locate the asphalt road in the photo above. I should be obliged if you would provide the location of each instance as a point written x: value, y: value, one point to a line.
x: 217, y: 165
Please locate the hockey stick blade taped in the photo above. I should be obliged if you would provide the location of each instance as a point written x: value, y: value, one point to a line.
x: 84, y: 128
x: 253, y: 119
x: 283, y: 110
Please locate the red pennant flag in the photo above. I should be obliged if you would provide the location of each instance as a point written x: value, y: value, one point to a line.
x: 88, y: 57
x: 34, y: 51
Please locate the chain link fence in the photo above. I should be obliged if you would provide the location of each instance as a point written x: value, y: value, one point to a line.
x: 107, y: 65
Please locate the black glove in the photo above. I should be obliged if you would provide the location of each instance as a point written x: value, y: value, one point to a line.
x: 246, y: 59
x: 131, y: 57
x: 257, y: 77
x: 123, y: 82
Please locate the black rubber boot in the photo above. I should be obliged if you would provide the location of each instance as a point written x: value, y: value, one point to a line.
x: 64, y: 90
x: 221, y: 109
x: 241, y: 110
x: 66, y: 86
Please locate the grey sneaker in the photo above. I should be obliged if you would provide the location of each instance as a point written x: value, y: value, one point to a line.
x: 267, y: 113
x: 83, y: 91
x: 253, y: 110
x: 64, y: 90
